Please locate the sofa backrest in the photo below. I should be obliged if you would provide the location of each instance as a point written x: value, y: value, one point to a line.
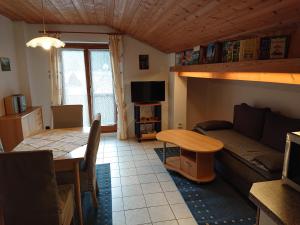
x: 276, y: 128
x: 249, y: 120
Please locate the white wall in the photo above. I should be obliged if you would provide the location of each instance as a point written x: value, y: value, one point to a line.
x: 38, y: 64
x: 9, y: 81
x: 158, y: 70
x: 214, y: 99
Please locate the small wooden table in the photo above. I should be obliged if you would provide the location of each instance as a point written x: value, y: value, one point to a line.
x: 196, y: 160
x: 68, y: 146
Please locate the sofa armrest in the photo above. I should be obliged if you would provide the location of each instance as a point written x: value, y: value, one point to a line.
x: 214, y: 125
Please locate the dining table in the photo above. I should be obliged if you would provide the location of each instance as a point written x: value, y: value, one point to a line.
x: 68, y: 146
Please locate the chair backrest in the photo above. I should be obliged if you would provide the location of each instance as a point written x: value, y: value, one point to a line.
x: 28, y: 190
x: 1, y: 148
x: 67, y: 116
x: 92, y: 148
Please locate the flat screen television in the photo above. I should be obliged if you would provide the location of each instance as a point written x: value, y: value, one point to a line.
x: 147, y: 91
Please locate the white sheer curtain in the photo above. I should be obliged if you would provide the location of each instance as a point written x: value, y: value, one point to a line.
x: 55, y: 77
x: 116, y: 53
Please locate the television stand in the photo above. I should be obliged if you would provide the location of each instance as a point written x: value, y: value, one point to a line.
x: 146, y: 127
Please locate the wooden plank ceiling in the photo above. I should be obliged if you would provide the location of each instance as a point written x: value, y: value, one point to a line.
x: 168, y: 25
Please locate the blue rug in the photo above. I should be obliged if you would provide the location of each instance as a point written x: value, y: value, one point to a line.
x: 102, y: 215
x: 212, y: 203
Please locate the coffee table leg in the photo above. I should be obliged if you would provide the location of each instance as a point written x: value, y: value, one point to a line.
x: 164, y: 153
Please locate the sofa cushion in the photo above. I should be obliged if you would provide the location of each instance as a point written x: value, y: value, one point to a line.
x: 276, y: 128
x: 244, y: 148
x: 214, y: 125
x: 249, y: 120
x: 271, y: 161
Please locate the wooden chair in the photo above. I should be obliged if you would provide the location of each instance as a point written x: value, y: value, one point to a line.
x: 29, y: 194
x: 88, y: 178
x: 1, y: 148
x: 67, y: 116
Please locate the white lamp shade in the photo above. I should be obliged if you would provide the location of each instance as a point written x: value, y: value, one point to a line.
x: 45, y: 42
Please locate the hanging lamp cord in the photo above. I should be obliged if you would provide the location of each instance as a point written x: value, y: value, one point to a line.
x: 43, y: 14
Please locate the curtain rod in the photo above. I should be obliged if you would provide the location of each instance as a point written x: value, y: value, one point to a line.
x: 77, y: 32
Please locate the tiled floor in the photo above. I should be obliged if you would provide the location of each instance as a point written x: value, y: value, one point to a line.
x: 142, y: 190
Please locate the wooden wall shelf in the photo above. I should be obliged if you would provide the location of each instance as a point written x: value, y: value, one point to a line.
x: 285, y: 71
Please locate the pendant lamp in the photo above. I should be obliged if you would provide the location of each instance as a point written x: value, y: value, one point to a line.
x: 45, y: 41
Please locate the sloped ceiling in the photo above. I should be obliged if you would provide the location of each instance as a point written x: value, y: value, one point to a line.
x: 168, y: 25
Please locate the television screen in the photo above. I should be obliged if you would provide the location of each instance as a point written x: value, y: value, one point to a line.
x: 147, y: 91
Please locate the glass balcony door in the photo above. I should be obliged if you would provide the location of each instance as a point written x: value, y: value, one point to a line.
x: 87, y: 80
x: 102, y: 87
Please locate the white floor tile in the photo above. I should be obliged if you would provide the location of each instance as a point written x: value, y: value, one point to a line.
x: 155, y: 199
x: 124, y: 148
x: 188, y: 221
x: 126, y: 158
x: 132, y: 190
x: 124, y: 153
x: 140, y: 157
x: 125, y: 165
x: 168, y: 186
x: 144, y: 170
x: 170, y: 222
x: 142, y: 163
x: 151, y: 188
x: 117, y: 204
x: 118, y: 218
x: 116, y: 192
x: 137, y: 216
x: 155, y: 162
x: 129, y: 180
x: 134, y: 202
x: 114, y: 166
x: 115, y: 182
x: 152, y: 155
x: 159, y: 169
x: 174, y: 197
x: 181, y: 211
x: 161, y: 213
x: 147, y: 178
x: 115, y: 173
x: 128, y: 172
x: 111, y: 160
x: 110, y: 154
x: 163, y: 177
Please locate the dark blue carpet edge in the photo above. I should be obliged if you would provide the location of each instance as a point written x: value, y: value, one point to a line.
x: 103, y: 214
x: 216, y: 202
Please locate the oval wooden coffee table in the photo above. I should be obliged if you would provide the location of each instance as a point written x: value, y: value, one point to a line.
x: 196, y: 160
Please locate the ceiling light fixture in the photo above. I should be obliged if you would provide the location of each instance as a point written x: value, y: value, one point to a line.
x: 45, y: 41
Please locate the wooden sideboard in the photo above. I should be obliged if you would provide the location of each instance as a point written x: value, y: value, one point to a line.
x: 14, y: 128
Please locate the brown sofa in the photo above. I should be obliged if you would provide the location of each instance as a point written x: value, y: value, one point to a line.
x: 253, y: 144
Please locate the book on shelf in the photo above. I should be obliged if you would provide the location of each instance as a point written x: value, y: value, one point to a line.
x: 213, y: 52
x: 274, y: 47
x: 179, y: 58
x: 188, y: 57
x: 230, y: 51
x: 278, y: 47
x: 196, y: 55
x: 235, y: 51
x: 264, y: 48
x: 202, y: 54
x: 249, y: 49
